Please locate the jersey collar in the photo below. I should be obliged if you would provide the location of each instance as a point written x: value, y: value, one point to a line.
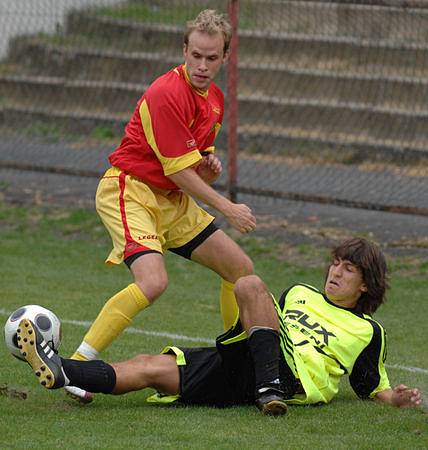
x: 201, y: 92
x: 353, y: 310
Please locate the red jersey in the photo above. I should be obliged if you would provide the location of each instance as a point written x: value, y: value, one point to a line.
x: 171, y: 125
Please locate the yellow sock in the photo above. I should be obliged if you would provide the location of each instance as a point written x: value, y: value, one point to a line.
x: 115, y: 316
x: 228, y: 306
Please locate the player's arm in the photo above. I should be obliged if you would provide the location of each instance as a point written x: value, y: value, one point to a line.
x: 238, y: 215
x: 400, y: 396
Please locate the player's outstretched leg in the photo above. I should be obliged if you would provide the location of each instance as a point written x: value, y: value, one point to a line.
x: 45, y: 363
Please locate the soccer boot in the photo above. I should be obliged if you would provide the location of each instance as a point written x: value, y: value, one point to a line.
x: 270, y: 400
x: 45, y: 363
x: 78, y: 394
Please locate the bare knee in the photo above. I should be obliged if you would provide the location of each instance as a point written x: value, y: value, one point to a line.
x: 248, y: 289
x: 152, y: 287
x: 150, y: 275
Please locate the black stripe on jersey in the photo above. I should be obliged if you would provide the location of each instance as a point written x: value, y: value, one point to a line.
x: 283, y: 330
x: 365, y: 376
x: 286, y: 343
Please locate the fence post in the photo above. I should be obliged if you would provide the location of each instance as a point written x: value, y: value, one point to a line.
x: 232, y: 96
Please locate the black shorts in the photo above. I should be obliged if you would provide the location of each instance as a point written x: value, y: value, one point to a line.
x: 204, y: 379
x: 224, y: 375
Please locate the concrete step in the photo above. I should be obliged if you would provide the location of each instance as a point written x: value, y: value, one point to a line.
x: 329, y: 145
x: 73, y: 122
x: 407, y: 93
x: 258, y: 137
x: 340, y: 18
x: 329, y: 114
x: 315, y: 51
x: 80, y: 95
x: 383, y: 124
x: 39, y: 57
x: 392, y: 20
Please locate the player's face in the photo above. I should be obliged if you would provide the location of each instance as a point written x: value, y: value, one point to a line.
x: 203, y: 56
x: 344, y: 284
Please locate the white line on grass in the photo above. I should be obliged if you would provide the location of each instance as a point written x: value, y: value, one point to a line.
x: 201, y: 340
x: 179, y: 337
x: 407, y: 368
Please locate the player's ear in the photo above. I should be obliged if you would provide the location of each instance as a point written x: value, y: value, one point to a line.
x: 226, y: 56
x: 364, y: 288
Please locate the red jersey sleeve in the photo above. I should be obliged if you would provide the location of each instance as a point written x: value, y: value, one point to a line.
x: 167, y: 117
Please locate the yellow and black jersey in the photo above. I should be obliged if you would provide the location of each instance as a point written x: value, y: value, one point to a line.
x: 326, y: 342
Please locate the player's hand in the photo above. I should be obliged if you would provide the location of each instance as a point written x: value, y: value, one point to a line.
x: 209, y: 169
x: 241, y: 218
x: 405, y: 397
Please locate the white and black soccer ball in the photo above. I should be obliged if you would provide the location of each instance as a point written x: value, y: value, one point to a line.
x: 45, y: 320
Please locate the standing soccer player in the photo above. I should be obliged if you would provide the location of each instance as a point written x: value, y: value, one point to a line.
x: 145, y: 200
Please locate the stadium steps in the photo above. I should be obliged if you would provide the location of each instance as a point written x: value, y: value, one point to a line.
x: 325, y: 92
x: 256, y: 111
x: 35, y: 56
x: 341, y: 52
x: 261, y: 139
x: 60, y: 92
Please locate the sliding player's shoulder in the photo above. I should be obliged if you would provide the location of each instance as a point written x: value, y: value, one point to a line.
x: 302, y: 291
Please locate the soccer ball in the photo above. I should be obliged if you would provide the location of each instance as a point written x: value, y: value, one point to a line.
x: 45, y: 320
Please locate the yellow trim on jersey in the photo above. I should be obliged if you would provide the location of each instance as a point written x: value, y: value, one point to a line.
x: 217, y: 128
x: 210, y: 149
x: 169, y: 165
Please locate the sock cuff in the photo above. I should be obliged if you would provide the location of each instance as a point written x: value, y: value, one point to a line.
x: 85, y: 352
x: 138, y: 296
x: 255, y: 329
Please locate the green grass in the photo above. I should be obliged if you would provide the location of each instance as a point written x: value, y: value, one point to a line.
x: 54, y: 257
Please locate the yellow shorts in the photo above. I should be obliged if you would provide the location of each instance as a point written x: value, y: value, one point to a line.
x: 140, y: 218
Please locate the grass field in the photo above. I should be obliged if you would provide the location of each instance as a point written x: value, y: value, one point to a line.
x: 55, y: 258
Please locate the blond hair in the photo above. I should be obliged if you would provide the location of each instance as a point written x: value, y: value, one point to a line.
x: 211, y: 22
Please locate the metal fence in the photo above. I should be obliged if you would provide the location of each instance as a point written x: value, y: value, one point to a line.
x: 332, y: 96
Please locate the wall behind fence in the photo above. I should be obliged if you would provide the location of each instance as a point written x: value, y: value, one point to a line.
x: 332, y: 96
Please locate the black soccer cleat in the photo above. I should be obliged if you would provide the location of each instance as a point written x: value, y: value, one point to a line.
x: 270, y: 400
x: 45, y: 363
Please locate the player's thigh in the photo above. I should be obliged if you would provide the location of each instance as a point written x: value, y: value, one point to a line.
x: 222, y: 254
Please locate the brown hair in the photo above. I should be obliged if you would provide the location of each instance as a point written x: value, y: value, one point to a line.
x: 211, y: 22
x: 368, y: 257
